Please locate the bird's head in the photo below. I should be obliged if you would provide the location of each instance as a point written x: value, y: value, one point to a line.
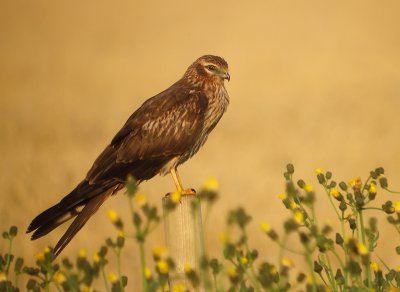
x: 208, y: 68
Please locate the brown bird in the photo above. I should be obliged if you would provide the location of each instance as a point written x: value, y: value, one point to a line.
x: 163, y: 133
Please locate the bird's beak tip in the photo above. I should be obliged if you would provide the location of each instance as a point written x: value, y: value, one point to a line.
x: 227, y: 77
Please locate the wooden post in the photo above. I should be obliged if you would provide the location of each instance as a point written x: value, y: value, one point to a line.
x: 184, y: 236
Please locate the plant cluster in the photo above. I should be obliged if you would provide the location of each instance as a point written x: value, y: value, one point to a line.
x: 337, y: 260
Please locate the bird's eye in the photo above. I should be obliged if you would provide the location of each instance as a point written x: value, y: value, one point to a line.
x: 211, y: 67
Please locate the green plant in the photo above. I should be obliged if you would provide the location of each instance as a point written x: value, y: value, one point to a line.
x: 337, y: 260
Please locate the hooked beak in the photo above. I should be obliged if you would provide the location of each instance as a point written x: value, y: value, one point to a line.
x: 226, y: 76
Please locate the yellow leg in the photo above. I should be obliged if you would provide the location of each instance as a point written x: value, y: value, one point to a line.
x: 177, y: 181
x: 178, y: 184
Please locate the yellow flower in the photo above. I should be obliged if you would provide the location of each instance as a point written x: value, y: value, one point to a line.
x: 211, y: 185
x: 287, y: 262
x: 223, y: 237
x: 355, y: 183
x: 87, y: 289
x: 299, y: 217
x: 112, y: 215
x: 82, y: 253
x: 274, y: 270
x: 162, y: 267
x: 398, y: 269
x: 310, y: 278
x: 372, y: 188
x: 232, y: 272
x: 334, y: 193
x: 187, y: 268
x: 179, y: 287
x: 3, y: 276
x: 352, y: 182
x: 176, y: 197
x: 120, y: 233
x: 140, y: 199
x: 318, y: 171
x: 112, y: 277
x: 244, y: 260
x: 160, y: 252
x: 362, y: 249
x: 40, y: 256
x: 293, y: 205
x: 96, y: 257
x: 59, y: 277
x: 308, y: 188
x: 397, y: 206
x: 265, y: 227
x: 375, y: 267
x: 47, y: 249
x: 282, y: 196
x: 147, y: 273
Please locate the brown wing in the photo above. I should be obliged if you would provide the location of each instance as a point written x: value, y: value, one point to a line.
x: 165, y: 126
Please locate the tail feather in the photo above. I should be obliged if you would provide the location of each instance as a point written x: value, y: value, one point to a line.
x: 81, y: 203
x: 55, y: 217
x: 90, y: 208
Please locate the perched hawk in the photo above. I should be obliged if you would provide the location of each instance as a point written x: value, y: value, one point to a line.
x: 160, y: 135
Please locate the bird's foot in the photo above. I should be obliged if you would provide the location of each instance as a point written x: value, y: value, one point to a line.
x: 188, y: 192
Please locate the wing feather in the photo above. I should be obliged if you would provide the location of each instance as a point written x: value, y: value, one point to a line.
x: 165, y: 126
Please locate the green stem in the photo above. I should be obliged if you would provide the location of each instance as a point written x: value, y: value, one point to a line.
x: 311, y: 267
x: 346, y: 259
x: 103, y: 273
x: 367, y: 268
x: 143, y: 266
x: 118, y: 252
x: 329, y: 273
x: 8, y: 257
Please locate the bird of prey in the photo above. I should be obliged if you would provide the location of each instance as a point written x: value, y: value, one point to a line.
x: 163, y: 133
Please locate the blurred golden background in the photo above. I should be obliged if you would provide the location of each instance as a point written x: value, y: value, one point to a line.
x: 315, y: 83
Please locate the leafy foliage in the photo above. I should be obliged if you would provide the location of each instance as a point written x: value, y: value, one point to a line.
x: 337, y: 260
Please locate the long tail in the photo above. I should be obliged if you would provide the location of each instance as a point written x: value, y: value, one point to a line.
x: 81, y: 203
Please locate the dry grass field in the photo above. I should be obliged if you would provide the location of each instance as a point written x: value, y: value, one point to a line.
x: 315, y: 83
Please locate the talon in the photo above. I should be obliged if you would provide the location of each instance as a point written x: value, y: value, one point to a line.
x: 189, y: 192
